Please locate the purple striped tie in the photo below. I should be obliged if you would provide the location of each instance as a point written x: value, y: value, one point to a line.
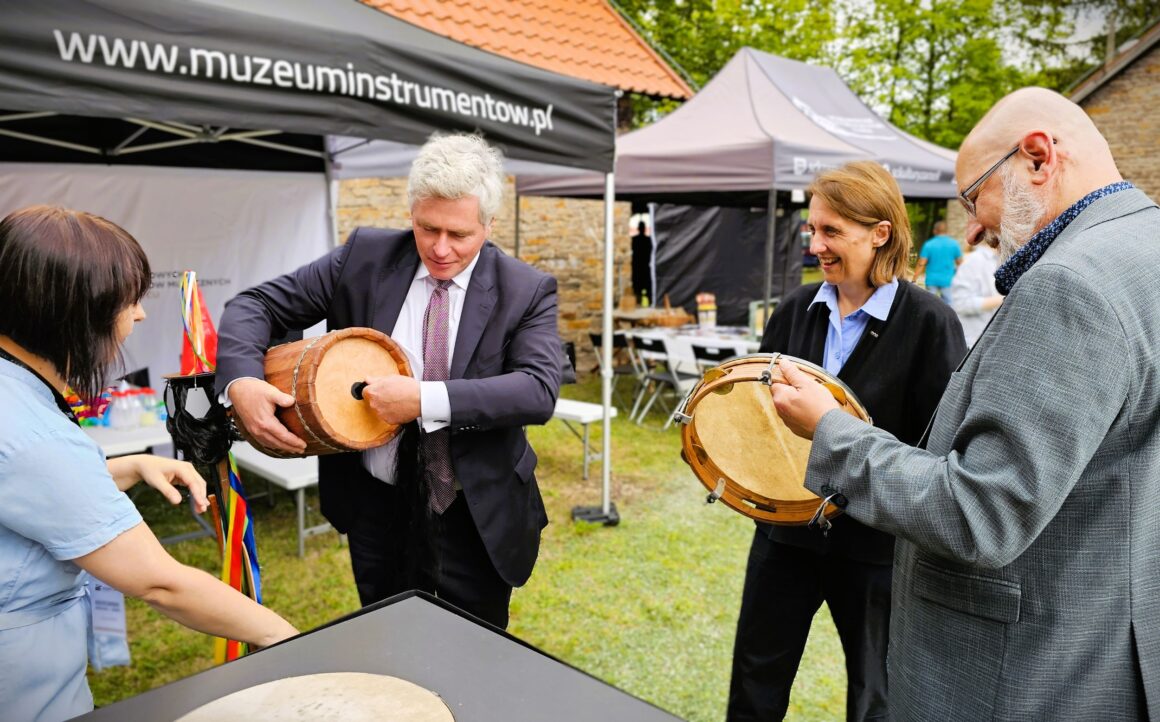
x: 437, y: 444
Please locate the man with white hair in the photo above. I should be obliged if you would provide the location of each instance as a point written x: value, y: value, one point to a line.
x: 452, y: 505
x: 1026, y: 578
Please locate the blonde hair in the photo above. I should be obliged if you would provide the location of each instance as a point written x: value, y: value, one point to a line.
x: 864, y: 192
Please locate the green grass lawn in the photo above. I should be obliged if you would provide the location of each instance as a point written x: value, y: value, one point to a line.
x: 649, y: 606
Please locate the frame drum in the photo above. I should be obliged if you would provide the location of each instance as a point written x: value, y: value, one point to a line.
x: 323, y: 375
x: 739, y: 447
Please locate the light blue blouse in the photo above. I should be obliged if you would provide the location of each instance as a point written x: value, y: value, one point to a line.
x: 843, y: 334
x: 57, y: 503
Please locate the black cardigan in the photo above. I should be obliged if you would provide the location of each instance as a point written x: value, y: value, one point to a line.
x: 898, y: 370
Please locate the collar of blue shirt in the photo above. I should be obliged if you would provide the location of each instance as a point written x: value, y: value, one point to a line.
x: 877, y: 306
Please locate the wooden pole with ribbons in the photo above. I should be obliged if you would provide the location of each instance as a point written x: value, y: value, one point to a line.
x: 202, y: 432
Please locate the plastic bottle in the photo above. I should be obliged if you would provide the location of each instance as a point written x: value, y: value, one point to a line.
x: 148, y: 401
x: 133, y: 408
x: 118, y: 416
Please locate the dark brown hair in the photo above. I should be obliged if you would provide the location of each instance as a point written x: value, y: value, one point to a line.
x: 65, y: 276
x: 864, y: 192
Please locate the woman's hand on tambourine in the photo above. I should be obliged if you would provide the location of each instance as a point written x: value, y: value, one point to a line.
x: 800, y: 400
x: 394, y: 399
x: 254, y: 402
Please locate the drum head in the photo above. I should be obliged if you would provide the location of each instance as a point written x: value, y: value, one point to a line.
x: 743, y: 435
x: 343, y: 364
x: 328, y: 697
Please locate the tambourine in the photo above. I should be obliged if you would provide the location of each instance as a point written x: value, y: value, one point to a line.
x: 742, y: 451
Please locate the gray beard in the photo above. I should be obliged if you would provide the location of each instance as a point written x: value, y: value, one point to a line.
x: 1022, y: 211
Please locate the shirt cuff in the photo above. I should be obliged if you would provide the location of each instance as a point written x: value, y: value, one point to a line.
x: 224, y: 396
x: 434, y: 406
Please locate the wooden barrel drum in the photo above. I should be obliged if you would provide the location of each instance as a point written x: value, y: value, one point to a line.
x: 322, y: 375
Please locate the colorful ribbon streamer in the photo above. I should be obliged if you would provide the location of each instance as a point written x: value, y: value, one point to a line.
x: 240, y: 567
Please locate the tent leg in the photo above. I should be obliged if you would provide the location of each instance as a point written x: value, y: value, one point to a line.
x: 516, y: 251
x: 606, y: 513
x: 788, y: 260
x: 770, y: 233
x: 332, y: 191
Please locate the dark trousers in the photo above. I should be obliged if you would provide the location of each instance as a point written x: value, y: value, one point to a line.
x: 396, y: 545
x: 784, y: 586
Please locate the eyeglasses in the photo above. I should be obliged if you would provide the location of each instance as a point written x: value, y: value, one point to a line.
x: 971, y: 192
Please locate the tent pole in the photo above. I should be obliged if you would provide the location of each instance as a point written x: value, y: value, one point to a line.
x: 771, y: 229
x: 606, y: 367
x: 331, y: 199
x: 516, y: 252
x: 788, y: 261
x: 606, y: 513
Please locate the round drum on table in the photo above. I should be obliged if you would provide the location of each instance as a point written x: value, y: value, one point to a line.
x: 325, y: 376
x: 328, y: 697
x: 742, y: 451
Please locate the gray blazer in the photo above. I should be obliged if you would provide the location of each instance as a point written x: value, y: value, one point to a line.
x: 1027, y: 573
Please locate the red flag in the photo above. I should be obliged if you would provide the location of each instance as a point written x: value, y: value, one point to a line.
x: 198, y: 325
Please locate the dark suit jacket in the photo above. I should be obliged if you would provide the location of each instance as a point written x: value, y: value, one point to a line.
x: 898, y: 370
x: 505, y: 372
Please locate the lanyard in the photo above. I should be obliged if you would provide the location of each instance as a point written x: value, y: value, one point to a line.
x: 56, y: 396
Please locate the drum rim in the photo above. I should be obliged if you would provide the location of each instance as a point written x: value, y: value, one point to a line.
x: 808, y: 364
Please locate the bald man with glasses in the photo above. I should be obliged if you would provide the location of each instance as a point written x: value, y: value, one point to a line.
x: 1026, y: 578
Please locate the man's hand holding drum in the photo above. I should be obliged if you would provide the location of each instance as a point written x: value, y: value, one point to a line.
x: 800, y: 400
x: 395, y: 399
x: 254, y: 402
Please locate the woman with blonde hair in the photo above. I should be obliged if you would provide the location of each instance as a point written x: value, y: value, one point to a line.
x: 70, y: 289
x: 895, y: 346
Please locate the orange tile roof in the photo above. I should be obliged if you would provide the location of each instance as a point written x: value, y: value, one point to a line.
x: 585, y: 39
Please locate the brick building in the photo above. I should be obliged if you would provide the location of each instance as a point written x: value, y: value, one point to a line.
x: 586, y: 39
x: 1123, y: 98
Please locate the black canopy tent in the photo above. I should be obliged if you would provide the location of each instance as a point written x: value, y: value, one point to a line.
x: 288, y: 85
x: 236, y: 81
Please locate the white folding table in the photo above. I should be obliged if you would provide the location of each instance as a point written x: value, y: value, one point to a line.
x: 294, y: 474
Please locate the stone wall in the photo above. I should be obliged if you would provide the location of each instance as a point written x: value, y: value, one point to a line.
x: 562, y: 237
x: 1125, y: 110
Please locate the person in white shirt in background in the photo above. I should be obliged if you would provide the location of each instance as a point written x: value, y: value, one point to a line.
x: 973, y: 294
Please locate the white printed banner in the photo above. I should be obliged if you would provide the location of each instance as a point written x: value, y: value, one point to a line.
x: 235, y: 228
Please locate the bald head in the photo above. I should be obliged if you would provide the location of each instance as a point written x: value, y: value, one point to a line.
x: 1085, y: 160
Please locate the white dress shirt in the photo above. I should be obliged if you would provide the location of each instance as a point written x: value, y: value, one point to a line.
x: 434, y: 404
x: 973, y: 284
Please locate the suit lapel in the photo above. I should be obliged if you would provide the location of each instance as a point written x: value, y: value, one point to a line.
x: 477, y: 307
x: 816, y: 344
x: 394, y: 283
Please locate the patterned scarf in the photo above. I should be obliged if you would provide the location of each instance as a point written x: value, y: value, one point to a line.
x: 1023, y: 259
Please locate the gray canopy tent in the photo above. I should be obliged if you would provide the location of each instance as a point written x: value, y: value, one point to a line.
x: 764, y: 124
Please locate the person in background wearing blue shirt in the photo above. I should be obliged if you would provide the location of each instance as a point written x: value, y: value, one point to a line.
x: 939, y: 258
x: 70, y: 286
x: 895, y: 346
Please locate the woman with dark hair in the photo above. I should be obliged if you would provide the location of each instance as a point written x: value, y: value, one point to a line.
x: 895, y: 346
x: 70, y: 290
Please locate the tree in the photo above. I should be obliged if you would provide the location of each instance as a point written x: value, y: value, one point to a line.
x: 934, y: 67
x: 700, y: 36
